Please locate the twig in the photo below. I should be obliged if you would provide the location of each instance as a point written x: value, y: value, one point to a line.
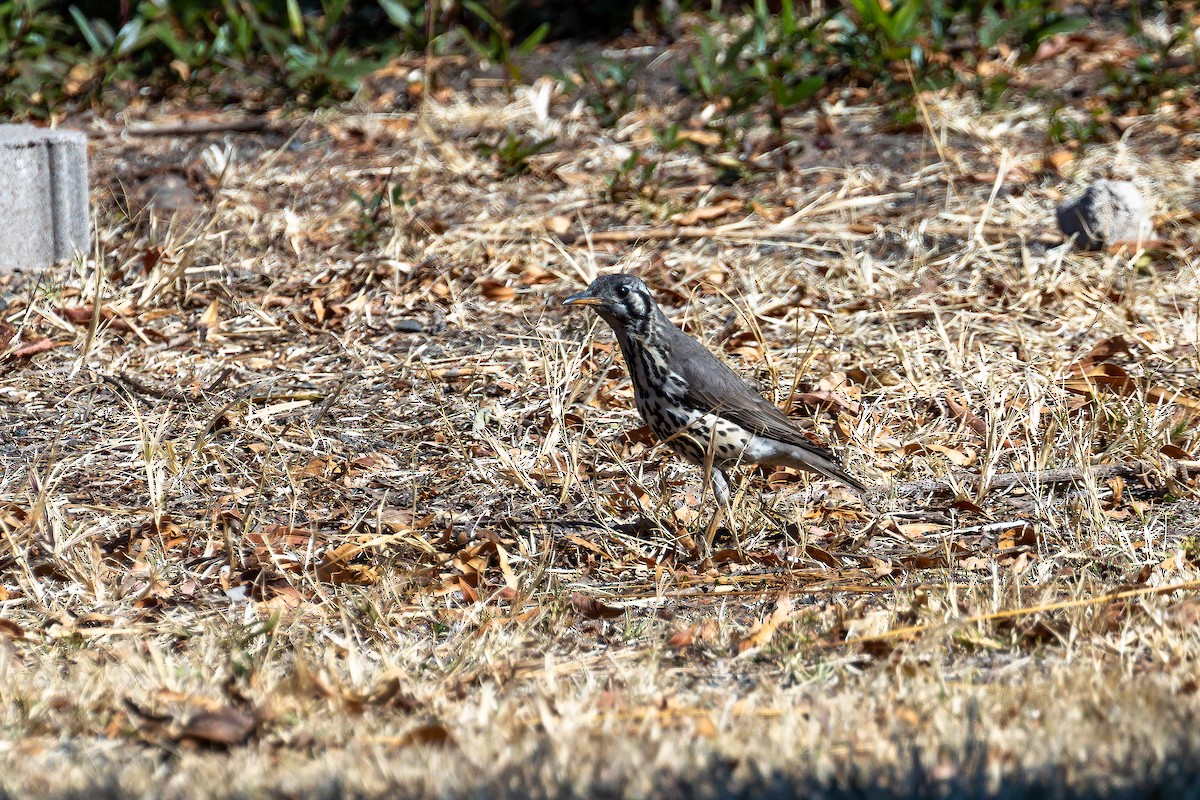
x: 1033, y: 478
x: 1026, y: 611
x: 142, y: 390
x: 737, y: 232
x: 323, y: 409
x: 199, y: 127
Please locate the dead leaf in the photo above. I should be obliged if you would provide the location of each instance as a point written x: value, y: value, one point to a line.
x: 1114, y: 378
x: 430, y: 735
x: 11, y: 629
x: 823, y: 556
x: 705, y: 213
x: 822, y: 398
x: 557, y: 224
x: 334, y: 567
x: 210, y: 319
x: 33, y: 348
x: 1177, y: 453
x: 958, y: 407
x: 682, y: 639
x: 702, y: 138
x: 224, y: 728
x: 705, y: 727
x: 1024, y: 536
x: 765, y: 630
x: 497, y: 291
x: 1055, y: 161
x: 79, y: 315
x: 1102, y: 351
x: 1161, y: 395
x: 591, y: 608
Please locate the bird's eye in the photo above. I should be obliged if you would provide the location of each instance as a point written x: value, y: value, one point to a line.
x: 622, y: 291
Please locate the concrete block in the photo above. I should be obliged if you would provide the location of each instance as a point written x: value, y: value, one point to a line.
x: 43, y: 197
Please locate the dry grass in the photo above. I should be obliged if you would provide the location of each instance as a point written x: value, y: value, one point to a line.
x: 381, y: 510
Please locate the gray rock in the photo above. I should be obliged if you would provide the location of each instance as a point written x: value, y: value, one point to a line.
x: 43, y: 197
x: 169, y: 193
x: 1106, y: 212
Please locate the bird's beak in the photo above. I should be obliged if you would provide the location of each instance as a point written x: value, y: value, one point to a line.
x: 583, y: 299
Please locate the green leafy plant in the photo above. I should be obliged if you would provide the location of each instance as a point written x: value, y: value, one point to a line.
x: 1022, y: 23
x: 1159, y: 71
x: 608, y: 87
x: 497, y: 44
x: 634, y: 178
x: 775, y: 58
x: 305, y: 55
x: 512, y: 153
x: 34, y: 56
x: 371, y: 219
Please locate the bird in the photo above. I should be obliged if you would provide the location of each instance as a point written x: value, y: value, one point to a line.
x: 692, y: 401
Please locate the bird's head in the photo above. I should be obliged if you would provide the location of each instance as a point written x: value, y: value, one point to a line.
x: 623, y: 301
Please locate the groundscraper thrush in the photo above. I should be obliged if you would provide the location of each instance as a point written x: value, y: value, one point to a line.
x: 691, y: 400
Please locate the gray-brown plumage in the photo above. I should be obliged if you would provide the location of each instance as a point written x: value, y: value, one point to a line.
x: 691, y: 400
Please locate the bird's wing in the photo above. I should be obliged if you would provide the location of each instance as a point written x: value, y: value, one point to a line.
x: 713, y: 385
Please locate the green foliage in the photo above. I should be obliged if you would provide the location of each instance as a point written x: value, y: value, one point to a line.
x: 497, y: 43
x: 608, y: 87
x: 370, y: 211
x: 32, y: 70
x: 512, y: 153
x: 1063, y: 128
x: 638, y: 174
x: 634, y: 178
x: 1024, y: 23
x: 775, y: 59
x: 305, y: 58
x: 1163, y: 67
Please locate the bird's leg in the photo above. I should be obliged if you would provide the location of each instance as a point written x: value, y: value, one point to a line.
x: 720, y: 487
x: 779, y: 521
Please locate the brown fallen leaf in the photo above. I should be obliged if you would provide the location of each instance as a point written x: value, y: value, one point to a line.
x: 689, y: 218
x: 1177, y: 453
x: 334, y: 567
x: 1102, y: 351
x: 497, y: 291
x: 33, y: 348
x: 79, y: 315
x: 958, y: 407
x: 429, y: 735
x: 1160, y: 395
x: 765, y: 630
x: 1114, y: 378
x: 702, y: 138
x: 822, y: 398
x: 11, y: 629
x: 823, y: 556
x: 682, y: 639
x: 226, y: 727
x: 1107, y: 375
x: 591, y: 608
x: 211, y: 317
x: 557, y: 223
x: 1055, y: 161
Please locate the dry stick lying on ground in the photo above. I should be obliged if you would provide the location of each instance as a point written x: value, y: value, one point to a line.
x: 199, y: 127
x: 733, y: 232
x: 1125, y: 594
x: 1033, y: 478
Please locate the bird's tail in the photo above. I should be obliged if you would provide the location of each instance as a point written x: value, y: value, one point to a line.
x: 821, y: 462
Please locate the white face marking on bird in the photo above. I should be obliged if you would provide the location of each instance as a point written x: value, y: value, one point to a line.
x: 623, y: 301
